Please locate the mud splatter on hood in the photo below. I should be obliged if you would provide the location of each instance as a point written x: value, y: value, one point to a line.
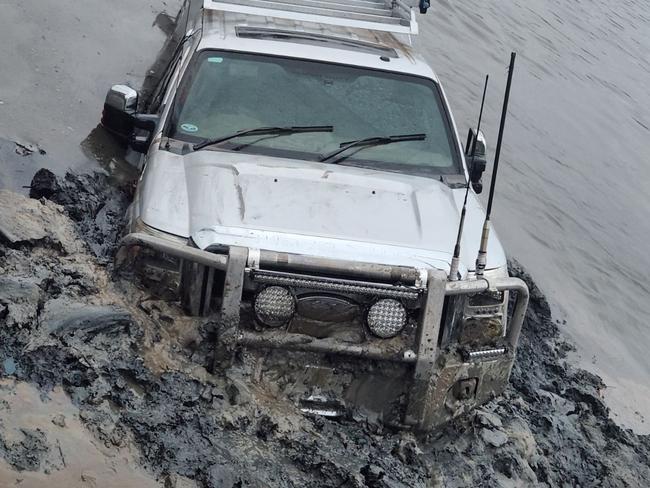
x: 310, y: 208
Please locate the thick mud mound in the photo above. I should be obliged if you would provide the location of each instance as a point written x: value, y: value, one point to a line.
x: 90, y: 357
x: 92, y: 203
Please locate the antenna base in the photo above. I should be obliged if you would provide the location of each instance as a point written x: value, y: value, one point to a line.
x: 481, y: 261
x: 454, y: 275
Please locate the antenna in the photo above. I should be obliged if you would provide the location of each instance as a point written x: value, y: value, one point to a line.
x: 481, y: 259
x: 453, y: 269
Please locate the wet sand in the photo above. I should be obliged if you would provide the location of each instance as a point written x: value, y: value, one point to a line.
x: 68, y: 455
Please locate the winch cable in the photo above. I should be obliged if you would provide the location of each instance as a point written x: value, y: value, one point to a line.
x: 453, y: 268
x: 481, y: 259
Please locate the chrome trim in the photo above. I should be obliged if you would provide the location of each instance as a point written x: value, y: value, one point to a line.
x: 123, y: 98
x: 483, y: 354
x: 253, y: 258
x: 423, y: 278
x: 321, y: 405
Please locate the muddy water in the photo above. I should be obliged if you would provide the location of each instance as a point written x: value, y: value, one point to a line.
x: 572, y: 203
x: 58, y: 60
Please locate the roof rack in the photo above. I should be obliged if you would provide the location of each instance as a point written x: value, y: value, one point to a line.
x: 381, y: 15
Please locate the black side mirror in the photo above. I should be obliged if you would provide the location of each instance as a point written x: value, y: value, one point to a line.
x: 144, y: 128
x: 119, y: 109
x: 475, y: 155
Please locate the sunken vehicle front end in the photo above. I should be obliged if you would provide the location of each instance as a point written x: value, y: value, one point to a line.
x: 395, y: 344
x: 271, y: 170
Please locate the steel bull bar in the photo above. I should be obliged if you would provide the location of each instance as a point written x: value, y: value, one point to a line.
x: 445, y: 382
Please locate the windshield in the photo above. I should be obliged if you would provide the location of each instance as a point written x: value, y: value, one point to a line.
x: 227, y: 92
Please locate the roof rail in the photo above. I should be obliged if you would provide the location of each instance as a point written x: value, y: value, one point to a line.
x: 381, y: 15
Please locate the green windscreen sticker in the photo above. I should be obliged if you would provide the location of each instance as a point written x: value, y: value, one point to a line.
x: 215, y: 60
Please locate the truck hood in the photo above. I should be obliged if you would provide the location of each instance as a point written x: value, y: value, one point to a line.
x: 224, y: 198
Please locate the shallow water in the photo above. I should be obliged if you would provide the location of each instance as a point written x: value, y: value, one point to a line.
x: 58, y: 60
x: 571, y: 203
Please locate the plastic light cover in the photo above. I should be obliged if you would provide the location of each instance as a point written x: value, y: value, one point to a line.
x: 274, y: 306
x: 386, y: 318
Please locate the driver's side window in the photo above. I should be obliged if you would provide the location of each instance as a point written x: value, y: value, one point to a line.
x: 169, y: 58
x: 159, y: 94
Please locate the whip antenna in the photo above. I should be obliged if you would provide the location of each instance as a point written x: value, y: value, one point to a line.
x: 481, y: 259
x: 453, y: 269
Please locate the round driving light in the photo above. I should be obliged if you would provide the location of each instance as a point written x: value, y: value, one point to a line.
x: 274, y: 306
x: 386, y: 318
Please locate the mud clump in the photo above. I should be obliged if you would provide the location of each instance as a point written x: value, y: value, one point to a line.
x: 137, y: 379
x: 90, y: 200
x: 27, y: 453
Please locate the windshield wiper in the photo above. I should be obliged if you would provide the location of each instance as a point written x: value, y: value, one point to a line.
x: 264, y: 131
x: 370, y: 142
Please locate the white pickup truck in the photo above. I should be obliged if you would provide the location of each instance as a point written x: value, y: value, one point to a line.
x: 301, y: 164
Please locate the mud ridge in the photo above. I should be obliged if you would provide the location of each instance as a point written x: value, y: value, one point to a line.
x: 135, y: 371
x: 92, y: 202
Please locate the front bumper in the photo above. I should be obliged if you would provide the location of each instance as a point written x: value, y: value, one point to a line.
x: 446, y: 379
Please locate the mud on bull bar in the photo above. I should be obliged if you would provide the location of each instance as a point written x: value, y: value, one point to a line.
x: 450, y: 345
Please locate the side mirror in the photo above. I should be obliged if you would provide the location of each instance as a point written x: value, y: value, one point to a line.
x: 119, y: 110
x: 145, y: 127
x: 475, y: 155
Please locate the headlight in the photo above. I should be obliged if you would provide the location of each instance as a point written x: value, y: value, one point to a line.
x: 386, y: 318
x: 274, y: 306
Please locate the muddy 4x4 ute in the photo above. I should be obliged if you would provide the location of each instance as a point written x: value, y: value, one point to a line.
x: 301, y: 165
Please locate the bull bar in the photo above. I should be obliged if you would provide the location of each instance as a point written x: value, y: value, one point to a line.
x: 437, y: 371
